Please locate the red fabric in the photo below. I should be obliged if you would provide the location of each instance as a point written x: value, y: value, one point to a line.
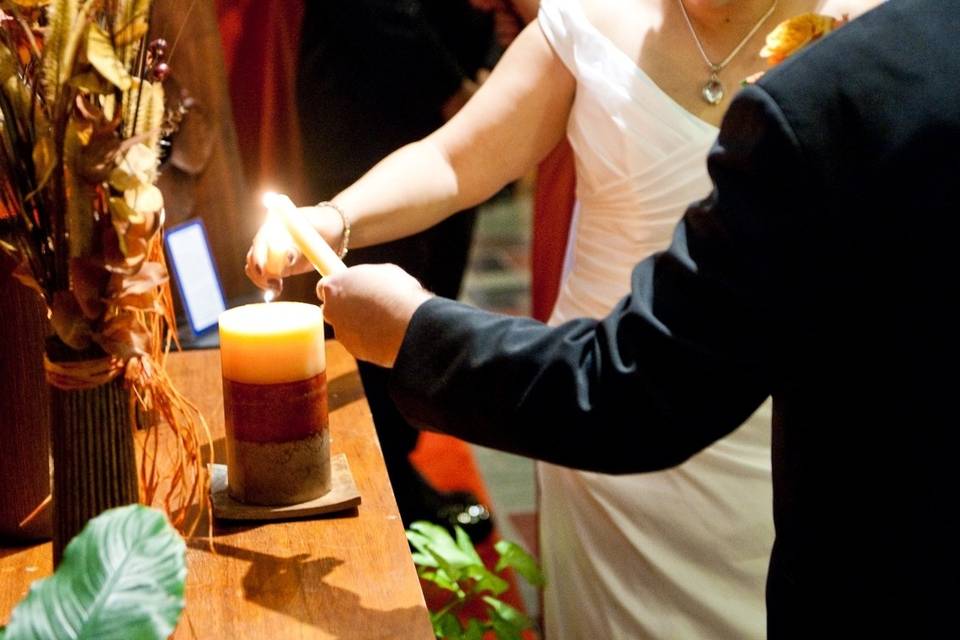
x: 554, y: 196
x: 260, y: 43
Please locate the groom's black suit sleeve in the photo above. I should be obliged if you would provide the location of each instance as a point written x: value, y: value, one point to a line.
x: 680, y: 362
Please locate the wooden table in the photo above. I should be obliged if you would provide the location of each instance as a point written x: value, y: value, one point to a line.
x: 346, y: 575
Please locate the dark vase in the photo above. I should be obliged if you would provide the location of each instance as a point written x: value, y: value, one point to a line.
x: 24, y: 413
x: 94, y: 464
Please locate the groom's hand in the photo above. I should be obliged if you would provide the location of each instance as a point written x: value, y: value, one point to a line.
x: 370, y: 306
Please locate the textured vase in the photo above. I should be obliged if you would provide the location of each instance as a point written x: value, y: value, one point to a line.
x: 94, y: 465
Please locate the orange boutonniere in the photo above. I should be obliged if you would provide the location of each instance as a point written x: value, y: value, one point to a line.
x: 794, y: 34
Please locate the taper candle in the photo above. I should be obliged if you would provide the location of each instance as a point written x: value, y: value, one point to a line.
x: 323, y: 258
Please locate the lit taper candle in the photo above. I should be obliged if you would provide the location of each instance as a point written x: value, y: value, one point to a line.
x: 323, y: 258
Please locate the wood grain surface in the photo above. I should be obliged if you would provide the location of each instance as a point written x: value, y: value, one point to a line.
x: 343, y: 575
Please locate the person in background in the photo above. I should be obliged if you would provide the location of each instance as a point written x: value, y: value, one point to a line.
x: 819, y: 270
x: 374, y: 75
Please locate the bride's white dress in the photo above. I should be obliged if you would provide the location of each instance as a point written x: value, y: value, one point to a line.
x: 682, y: 553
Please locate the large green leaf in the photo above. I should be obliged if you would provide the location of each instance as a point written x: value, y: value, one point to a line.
x: 507, y: 622
x: 474, y: 630
x: 121, y: 578
x: 514, y: 556
x: 486, y: 580
x: 442, y: 580
x: 446, y: 625
x: 435, y: 541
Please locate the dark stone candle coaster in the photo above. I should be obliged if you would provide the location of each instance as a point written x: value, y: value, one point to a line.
x: 343, y: 495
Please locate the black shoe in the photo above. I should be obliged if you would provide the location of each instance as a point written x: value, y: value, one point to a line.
x: 456, y: 508
x: 463, y: 509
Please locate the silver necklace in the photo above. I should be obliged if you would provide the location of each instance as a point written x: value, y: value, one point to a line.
x: 713, y: 90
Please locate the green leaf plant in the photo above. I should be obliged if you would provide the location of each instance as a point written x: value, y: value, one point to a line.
x: 455, y: 566
x: 122, y: 577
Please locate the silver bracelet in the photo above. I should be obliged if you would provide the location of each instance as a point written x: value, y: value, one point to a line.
x: 345, y: 239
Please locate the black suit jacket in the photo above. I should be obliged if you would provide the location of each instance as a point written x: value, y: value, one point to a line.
x: 821, y: 270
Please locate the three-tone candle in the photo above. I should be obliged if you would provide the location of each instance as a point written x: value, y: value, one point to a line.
x: 275, y: 402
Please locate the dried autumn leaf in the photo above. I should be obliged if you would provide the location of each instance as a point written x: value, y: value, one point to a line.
x: 103, y: 57
x: 136, y: 251
x: 148, y: 225
x: 22, y: 33
x: 30, y: 4
x: 16, y: 91
x: 131, y: 33
x: 8, y: 65
x: 124, y: 336
x: 139, y: 302
x: 150, y: 276
x: 88, y: 280
x: 133, y: 253
x: 80, y: 195
x: 122, y: 215
x: 124, y: 250
x: 130, y: 27
x: 44, y: 159
x: 68, y: 321
x: 91, y: 82
x: 96, y: 158
x: 133, y: 231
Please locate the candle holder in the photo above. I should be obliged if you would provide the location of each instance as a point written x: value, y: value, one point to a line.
x: 273, y: 366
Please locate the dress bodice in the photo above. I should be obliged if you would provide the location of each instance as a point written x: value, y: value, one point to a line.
x: 680, y: 553
x: 640, y: 160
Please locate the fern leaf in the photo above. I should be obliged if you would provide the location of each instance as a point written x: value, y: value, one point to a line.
x: 143, y: 112
x: 131, y: 25
x: 61, y: 16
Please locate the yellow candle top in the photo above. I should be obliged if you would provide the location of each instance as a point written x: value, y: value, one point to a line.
x: 272, y: 343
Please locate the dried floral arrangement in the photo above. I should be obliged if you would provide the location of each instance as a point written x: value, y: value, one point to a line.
x: 82, y: 116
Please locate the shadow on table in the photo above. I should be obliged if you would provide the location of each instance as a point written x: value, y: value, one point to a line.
x: 295, y: 586
x: 343, y: 390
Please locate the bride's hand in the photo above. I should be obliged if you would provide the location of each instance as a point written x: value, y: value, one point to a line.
x: 273, y: 255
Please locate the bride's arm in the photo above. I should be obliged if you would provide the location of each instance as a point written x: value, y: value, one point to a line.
x: 514, y: 119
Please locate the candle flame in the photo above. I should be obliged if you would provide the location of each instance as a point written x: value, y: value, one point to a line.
x: 270, y: 199
x: 277, y: 239
x: 269, y: 295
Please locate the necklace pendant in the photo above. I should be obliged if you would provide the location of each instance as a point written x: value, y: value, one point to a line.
x: 712, y: 91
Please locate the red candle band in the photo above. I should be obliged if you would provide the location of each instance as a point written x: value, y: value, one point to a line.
x: 275, y: 412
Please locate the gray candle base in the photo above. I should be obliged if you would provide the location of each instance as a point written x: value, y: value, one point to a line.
x: 342, y: 495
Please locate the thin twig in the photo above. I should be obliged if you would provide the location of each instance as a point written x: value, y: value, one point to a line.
x: 183, y: 25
